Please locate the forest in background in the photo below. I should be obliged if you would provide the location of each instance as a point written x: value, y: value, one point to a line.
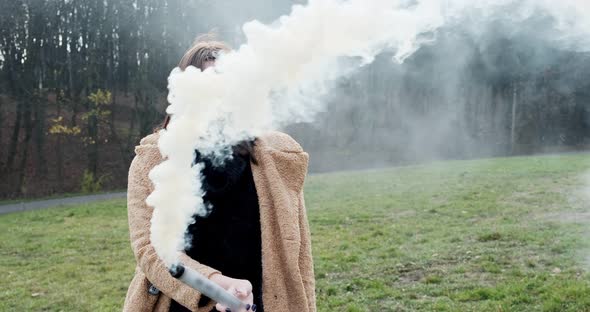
x: 82, y: 81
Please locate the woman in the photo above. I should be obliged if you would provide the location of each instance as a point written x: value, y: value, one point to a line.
x: 255, y: 242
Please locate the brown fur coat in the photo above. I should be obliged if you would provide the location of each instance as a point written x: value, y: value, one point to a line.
x: 287, y: 265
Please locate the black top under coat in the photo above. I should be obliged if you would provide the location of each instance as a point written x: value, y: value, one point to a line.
x: 228, y: 239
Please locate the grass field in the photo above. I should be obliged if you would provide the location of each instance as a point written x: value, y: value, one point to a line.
x: 487, y: 235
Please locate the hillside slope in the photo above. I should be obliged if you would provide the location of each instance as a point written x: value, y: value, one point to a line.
x: 487, y: 235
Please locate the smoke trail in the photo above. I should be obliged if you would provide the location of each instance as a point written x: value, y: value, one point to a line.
x: 276, y: 77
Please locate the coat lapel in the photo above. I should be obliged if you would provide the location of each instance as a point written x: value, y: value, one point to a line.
x: 278, y: 177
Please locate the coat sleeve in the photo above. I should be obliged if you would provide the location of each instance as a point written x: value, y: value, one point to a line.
x: 140, y: 214
x: 305, y: 256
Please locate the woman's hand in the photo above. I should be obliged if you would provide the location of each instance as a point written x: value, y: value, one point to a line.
x: 240, y: 288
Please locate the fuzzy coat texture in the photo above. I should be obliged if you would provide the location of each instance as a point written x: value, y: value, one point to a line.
x: 288, y: 281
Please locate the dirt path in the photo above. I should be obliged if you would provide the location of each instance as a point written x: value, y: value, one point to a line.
x: 42, y: 204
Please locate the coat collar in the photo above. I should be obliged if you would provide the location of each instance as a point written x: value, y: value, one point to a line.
x: 278, y: 151
x: 273, y: 150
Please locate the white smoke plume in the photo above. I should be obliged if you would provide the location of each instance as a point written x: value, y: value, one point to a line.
x: 277, y: 76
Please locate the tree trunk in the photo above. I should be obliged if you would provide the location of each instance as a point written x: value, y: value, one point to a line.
x: 130, y: 137
x: 2, y: 149
x: 59, y: 153
x: 92, y: 149
x: 28, y: 125
x: 40, y: 116
x: 15, y: 134
x: 513, y: 127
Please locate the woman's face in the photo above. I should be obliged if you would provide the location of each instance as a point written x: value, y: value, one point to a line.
x: 208, y: 63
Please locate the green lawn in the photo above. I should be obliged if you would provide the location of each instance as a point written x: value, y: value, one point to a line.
x: 486, y: 235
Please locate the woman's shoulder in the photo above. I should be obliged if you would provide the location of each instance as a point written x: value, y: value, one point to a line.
x: 285, y: 154
x: 147, y: 153
x: 280, y: 141
x: 148, y: 143
x: 270, y: 140
x: 150, y: 139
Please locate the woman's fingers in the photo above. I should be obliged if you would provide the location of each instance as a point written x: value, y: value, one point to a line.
x: 245, y: 287
x: 250, y: 307
x: 220, y: 307
x: 242, y: 293
x: 242, y: 289
x: 249, y: 301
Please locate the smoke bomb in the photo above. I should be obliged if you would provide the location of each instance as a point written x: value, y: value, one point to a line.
x: 208, y: 288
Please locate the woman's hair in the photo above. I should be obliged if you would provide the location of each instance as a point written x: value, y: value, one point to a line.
x: 207, y: 48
